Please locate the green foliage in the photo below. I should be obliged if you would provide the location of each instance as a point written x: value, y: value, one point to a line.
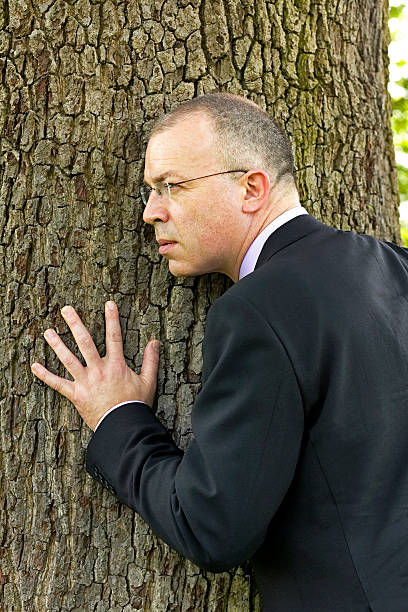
x: 399, y: 90
x: 403, y: 182
x: 395, y: 11
x: 404, y: 235
x: 399, y: 123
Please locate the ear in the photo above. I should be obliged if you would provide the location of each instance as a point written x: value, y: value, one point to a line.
x: 256, y: 186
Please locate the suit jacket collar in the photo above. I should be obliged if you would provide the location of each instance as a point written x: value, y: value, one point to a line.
x: 287, y: 234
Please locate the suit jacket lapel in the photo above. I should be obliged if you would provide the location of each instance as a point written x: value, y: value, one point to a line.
x: 288, y: 233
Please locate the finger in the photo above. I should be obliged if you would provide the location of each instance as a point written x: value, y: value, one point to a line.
x: 71, y: 363
x: 114, y: 344
x: 150, y: 364
x: 82, y: 336
x: 63, y: 386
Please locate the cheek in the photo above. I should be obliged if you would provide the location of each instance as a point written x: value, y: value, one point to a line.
x: 212, y: 236
x: 207, y: 227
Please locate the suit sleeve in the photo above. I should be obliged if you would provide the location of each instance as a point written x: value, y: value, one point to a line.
x: 212, y: 503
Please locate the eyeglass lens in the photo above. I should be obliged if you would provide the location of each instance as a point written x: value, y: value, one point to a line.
x: 145, y: 192
x: 163, y: 191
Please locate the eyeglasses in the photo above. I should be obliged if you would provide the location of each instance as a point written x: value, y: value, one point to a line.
x: 163, y: 190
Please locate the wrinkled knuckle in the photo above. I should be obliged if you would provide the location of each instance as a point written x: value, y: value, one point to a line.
x: 85, y: 339
x: 98, y: 374
x: 116, y: 336
x: 69, y: 360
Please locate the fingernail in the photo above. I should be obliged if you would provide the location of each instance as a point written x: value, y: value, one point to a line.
x: 49, y: 334
x: 156, y: 345
x: 35, y: 367
x: 67, y: 311
x: 110, y: 305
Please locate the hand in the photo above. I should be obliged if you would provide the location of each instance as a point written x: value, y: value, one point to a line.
x: 105, y: 381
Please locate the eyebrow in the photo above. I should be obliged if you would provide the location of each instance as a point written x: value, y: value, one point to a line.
x: 164, y: 175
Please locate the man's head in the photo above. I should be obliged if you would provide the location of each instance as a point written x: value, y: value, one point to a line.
x: 212, y: 220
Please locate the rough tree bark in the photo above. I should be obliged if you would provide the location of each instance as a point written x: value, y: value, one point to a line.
x: 82, y: 81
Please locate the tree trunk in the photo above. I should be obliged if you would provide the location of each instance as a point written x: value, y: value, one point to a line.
x: 82, y: 82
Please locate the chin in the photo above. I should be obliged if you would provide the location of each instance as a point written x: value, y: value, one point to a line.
x: 177, y: 268
x: 180, y: 268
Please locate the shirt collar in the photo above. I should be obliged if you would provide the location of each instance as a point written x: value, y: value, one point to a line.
x: 251, y: 256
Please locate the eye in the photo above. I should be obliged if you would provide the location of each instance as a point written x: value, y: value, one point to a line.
x: 169, y: 185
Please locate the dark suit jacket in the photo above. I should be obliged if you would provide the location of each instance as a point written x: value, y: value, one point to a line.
x: 300, y: 455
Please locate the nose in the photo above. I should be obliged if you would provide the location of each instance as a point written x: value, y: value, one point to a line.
x: 155, y: 210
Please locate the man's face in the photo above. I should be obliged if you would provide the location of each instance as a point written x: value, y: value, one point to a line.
x: 203, y: 217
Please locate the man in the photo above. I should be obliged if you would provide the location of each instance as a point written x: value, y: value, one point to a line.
x: 300, y: 455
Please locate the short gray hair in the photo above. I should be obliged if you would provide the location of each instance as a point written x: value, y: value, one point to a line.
x: 248, y: 136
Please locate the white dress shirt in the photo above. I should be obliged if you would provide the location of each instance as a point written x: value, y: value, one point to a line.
x: 251, y: 256
x: 247, y: 266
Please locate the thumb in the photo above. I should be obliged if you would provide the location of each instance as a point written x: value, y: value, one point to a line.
x: 150, y: 363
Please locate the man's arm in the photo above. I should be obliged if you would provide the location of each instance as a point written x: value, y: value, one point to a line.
x: 114, y: 408
x: 214, y: 502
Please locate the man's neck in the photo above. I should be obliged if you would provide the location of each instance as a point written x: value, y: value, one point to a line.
x: 279, y: 205
x: 251, y: 256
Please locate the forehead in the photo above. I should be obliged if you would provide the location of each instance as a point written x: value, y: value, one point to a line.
x: 182, y: 149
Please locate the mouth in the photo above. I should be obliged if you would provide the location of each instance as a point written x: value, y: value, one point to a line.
x: 165, y: 245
